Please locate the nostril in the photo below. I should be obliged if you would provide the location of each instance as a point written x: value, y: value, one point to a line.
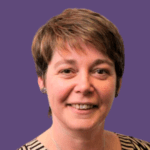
x: 84, y: 85
x: 87, y: 92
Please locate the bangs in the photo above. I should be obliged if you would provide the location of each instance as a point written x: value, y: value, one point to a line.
x: 76, y: 44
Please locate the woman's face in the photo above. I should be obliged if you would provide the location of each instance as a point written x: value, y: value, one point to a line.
x: 80, y: 88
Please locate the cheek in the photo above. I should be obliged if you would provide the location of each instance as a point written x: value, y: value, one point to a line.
x: 107, y: 92
x: 106, y: 97
x: 58, y: 91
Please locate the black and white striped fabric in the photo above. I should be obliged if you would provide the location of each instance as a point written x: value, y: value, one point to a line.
x: 131, y: 143
x: 127, y: 143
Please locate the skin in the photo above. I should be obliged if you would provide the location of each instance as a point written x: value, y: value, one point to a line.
x: 79, y: 78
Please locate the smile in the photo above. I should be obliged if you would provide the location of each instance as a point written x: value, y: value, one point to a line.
x: 83, y: 106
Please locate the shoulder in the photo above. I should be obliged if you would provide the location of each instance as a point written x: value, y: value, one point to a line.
x: 33, y: 144
x: 129, y: 142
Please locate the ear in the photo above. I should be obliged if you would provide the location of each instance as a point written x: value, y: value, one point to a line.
x: 41, y: 82
x: 120, y: 83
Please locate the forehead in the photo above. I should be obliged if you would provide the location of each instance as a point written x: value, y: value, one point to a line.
x: 87, y: 53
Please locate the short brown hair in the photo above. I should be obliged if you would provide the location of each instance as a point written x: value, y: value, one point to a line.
x: 76, y: 26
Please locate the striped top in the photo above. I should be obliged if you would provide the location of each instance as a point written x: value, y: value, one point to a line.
x: 127, y: 143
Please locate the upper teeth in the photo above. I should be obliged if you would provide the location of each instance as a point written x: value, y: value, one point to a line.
x: 82, y: 106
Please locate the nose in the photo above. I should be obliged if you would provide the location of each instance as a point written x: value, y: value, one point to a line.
x: 84, y: 84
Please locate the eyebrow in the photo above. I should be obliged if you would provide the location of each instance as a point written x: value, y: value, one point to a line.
x: 102, y: 61
x: 65, y: 61
x: 73, y: 62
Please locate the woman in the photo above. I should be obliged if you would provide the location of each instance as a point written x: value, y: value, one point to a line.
x: 79, y: 59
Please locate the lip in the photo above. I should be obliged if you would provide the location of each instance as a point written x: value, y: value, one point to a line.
x: 82, y: 111
x: 82, y: 103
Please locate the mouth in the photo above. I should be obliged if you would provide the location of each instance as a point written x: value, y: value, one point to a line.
x: 83, y: 106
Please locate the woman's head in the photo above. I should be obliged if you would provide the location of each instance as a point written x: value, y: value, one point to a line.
x: 75, y: 27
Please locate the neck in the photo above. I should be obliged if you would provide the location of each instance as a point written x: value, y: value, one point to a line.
x: 67, y: 139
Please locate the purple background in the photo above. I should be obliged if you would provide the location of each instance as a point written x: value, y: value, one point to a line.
x: 23, y: 109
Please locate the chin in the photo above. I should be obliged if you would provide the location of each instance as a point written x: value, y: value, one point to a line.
x: 85, y: 125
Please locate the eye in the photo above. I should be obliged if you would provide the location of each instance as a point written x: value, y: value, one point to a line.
x: 101, y: 71
x: 102, y: 74
x: 66, y: 71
